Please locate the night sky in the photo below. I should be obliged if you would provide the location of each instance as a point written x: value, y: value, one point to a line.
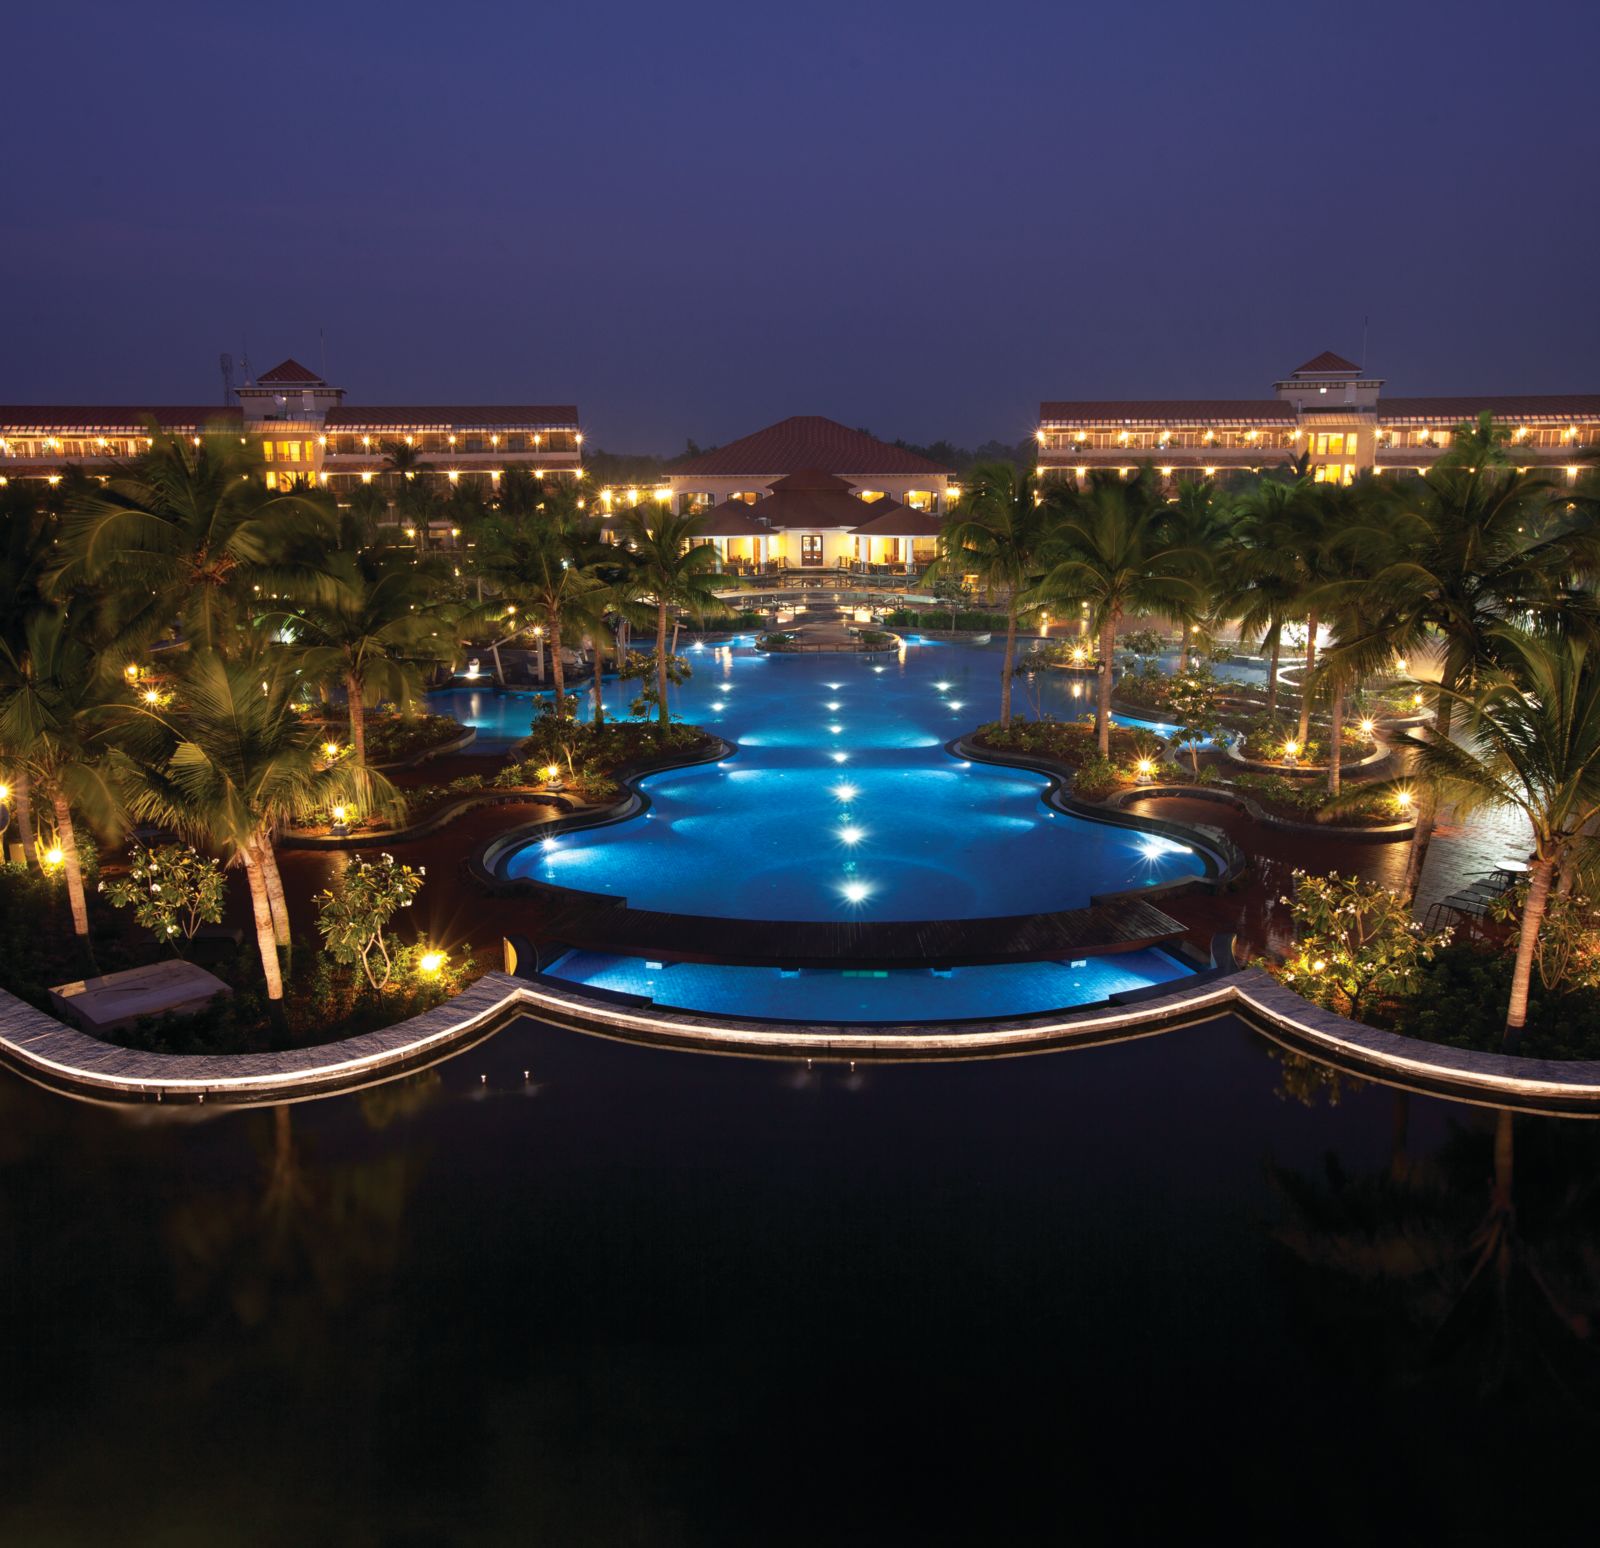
x: 694, y: 219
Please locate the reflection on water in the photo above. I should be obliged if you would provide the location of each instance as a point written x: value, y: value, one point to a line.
x: 570, y: 1290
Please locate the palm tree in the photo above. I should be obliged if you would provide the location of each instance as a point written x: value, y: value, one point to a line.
x: 1311, y: 536
x: 1118, y: 548
x: 1256, y: 581
x: 55, y: 730
x: 27, y: 540
x: 1471, y: 544
x: 414, y: 498
x: 1530, y: 740
x: 229, y: 762
x: 674, y: 571
x: 370, y: 634
x: 189, y: 535
x: 540, y: 569
x: 998, y: 531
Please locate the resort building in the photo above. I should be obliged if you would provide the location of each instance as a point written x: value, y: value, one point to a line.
x: 1327, y: 416
x: 305, y: 433
x: 810, y: 493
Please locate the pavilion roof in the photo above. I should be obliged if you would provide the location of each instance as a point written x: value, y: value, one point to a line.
x: 806, y: 442
x: 890, y: 518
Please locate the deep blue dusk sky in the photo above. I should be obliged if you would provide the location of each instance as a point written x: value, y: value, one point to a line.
x: 694, y: 219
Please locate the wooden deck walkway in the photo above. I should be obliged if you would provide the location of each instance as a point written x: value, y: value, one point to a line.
x: 594, y: 923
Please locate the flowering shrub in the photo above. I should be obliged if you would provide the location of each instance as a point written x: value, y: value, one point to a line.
x: 1096, y: 779
x: 1195, y: 702
x: 1567, y: 949
x: 172, y: 890
x: 352, y: 916
x: 1354, y: 939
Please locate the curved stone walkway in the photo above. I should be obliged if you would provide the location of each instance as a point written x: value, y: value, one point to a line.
x: 44, y: 1050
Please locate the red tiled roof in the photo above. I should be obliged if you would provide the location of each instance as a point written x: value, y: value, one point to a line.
x: 892, y: 519
x: 479, y: 416
x: 290, y: 370
x: 1165, y: 411
x: 805, y: 442
x: 125, y: 417
x: 1558, y: 406
x: 1327, y: 361
x: 810, y: 481
x: 732, y: 518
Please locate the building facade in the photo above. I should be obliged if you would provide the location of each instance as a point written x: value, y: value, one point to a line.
x: 1327, y: 416
x: 304, y: 433
x: 809, y: 493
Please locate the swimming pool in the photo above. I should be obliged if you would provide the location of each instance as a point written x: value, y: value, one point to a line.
x: 900, y: 994
x: 843, y: 804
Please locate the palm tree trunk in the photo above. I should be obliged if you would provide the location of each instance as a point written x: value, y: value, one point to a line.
x: 661, y: 663
x: 1427, y: 809
x: 1108, y: 647
x: 1008, y: 662
x: 558, y: 671
x: 1527, y: 942
x: 358, y: 717
x: 275, y: 898
x: 266, y: 942
x: 1272, y: 672
x: 67, y: 838
x: 22, y: 796
x: 597, y: 644
x: 1305, y: 677
x: 1335, y: 735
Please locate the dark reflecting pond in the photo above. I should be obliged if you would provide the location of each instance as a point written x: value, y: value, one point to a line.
x: 652, y: 1297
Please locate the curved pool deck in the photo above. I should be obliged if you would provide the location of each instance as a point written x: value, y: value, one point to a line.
x: 43, y: 1050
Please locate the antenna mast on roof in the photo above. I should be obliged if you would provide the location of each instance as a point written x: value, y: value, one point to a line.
x: 244, y: 360
x: 226, y: 362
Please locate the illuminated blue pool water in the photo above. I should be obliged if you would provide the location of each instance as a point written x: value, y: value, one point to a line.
x: 902, y: 994
x: 842, y: 803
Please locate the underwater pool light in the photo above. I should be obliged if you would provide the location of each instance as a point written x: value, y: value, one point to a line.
x: 851, y: 834
x: 856, y: 891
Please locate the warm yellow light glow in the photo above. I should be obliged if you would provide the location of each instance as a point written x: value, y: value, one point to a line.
x: 330, y: 749
x: 152, y: 696
x: 1038, y: 435
x: 1403, y: 799
x: 551, y: 771
x: 5, y: 792
x: 1291, y: 749
x: 339, y: 813
x: 430, y: 962
x: 54, y: 856
x: 1146, y: 767
x: 366, y: 478
x: 131, y: 671
x: 1368, y: 726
